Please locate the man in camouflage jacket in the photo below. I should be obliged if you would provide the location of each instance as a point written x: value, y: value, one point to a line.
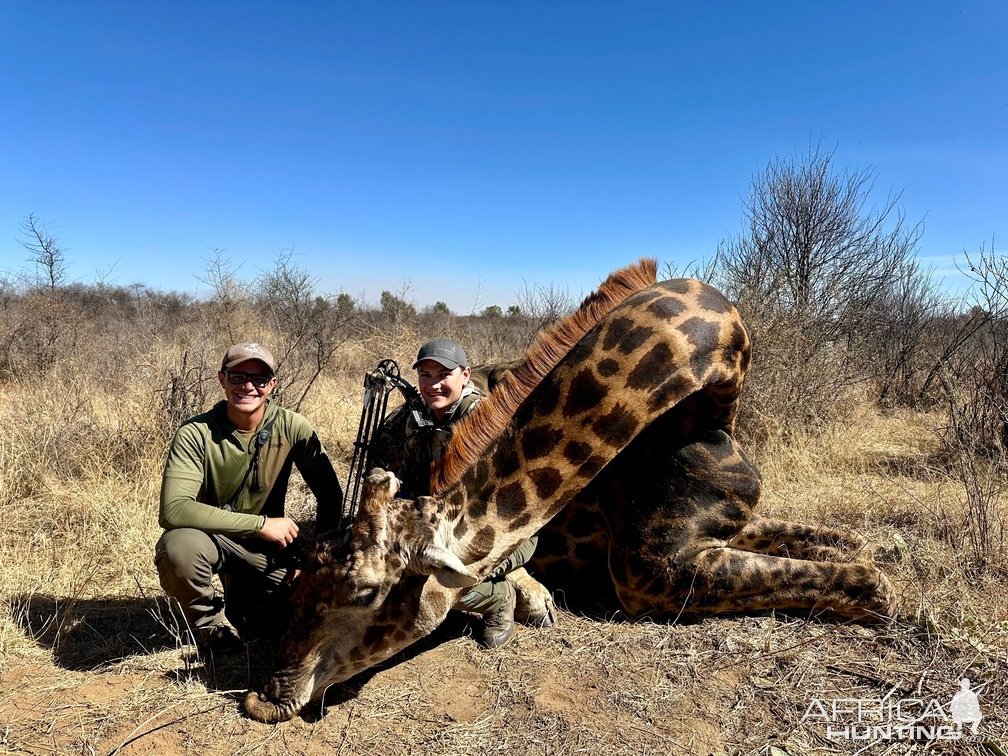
x: 411, y: 441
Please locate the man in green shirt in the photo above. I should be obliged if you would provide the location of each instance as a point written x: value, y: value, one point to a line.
x: 409, y: 444
x: 222, y: 504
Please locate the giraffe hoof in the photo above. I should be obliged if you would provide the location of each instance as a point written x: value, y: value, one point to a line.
x: 545, y: 618
x: 535, y: 605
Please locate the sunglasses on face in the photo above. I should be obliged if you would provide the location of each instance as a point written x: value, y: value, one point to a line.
x: 259, y: 380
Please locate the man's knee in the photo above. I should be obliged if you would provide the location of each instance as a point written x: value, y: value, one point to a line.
x: 185, y: 556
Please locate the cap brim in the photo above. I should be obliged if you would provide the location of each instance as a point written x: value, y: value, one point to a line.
x: 229, y: 365
x: 450, y: 364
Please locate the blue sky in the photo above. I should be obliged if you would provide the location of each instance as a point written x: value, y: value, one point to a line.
x: 463, y: 150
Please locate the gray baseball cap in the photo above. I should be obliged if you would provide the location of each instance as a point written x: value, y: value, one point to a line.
x: 248, y: 350
x: 443, y: 351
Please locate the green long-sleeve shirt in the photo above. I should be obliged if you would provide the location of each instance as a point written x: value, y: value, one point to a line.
x: 209, y: 457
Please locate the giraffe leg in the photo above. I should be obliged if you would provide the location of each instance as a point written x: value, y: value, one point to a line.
x: 766, y: 535
x: 727, y: 580
x: 690, y: 543
x: 534, y: 604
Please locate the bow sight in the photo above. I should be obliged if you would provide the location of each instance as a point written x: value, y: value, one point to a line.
x: 378, y: 384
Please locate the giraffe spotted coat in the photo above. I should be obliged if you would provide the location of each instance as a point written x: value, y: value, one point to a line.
x: 619, y: 424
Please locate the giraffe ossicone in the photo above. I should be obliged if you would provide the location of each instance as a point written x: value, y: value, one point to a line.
x: 612, y: 438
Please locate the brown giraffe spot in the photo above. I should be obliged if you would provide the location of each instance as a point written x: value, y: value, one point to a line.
x: 454, y: 504
x: 617, y: 426
x: 702, y: 334
x: 376, y: 635
x: 642, y: 298
x: 651, y: 368
x: 482, y: 469
x: 478, y: 504
x: 712, y: 300
x: 483, y: 541
x: 616, y: 333
x: 505, y: 461
x: 585, y: 393
x: 524, y: 414
x: 547, y: 480
x: 511, y: 500
x: 591, y: 466
x: 738, y: 339
x: 576, y: 452
x: 675, y: 388
x: 521, y: 521
x: 539, y: 441
x: 608, y: 367
x: 634, y: 339
x: 675, y: 285
x: 585, y: 348
x: 547, y: 397
x: 667, y: 308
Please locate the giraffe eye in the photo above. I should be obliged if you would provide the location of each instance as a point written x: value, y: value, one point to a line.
x: 365, y: 596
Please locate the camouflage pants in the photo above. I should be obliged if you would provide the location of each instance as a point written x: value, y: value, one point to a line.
x: 491, y: 594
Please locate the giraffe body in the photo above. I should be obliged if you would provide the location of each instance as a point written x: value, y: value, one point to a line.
x: 624, y: 412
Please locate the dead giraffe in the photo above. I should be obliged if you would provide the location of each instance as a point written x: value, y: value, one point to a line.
x: 625, y: 408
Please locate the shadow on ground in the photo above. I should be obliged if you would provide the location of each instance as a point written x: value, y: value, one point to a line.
x: 91, y: 634
x: 87, y: 634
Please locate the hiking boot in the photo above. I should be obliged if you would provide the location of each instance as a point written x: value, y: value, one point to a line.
x: 221, y: 639
x: 498, y: 623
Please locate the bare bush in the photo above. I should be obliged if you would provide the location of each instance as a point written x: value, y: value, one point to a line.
x: 977, y: 536
x: 897, y: 327
x: 813, y: 259
x: 40, y: 324
x: 971, y: 377
x: 538, y: 308
x: 230, y: 298
x: 45, y: 252
x: 973, y: 368
x: 309, y: 327
x: 186, y: 391
x: 702, y: 270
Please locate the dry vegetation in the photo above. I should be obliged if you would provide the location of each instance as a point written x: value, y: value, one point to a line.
x: 904, y: 445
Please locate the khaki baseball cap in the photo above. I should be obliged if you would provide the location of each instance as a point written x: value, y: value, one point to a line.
x: 248, y: 350
x: 443, y: 351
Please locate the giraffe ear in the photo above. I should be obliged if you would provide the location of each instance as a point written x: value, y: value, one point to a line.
x: 446, y: 567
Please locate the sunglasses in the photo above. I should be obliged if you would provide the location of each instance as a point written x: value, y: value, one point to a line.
x: 259, y: 380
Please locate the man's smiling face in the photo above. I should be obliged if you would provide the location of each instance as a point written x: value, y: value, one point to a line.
x: 247, y: 398
x: 440, y: 386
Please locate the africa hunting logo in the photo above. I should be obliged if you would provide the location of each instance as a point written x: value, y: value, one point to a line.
x: 867, y: 719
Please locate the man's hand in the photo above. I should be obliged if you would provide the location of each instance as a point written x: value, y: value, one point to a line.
x: 279, y: 530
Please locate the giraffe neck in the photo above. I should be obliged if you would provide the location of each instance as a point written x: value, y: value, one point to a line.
x: 646, y: 356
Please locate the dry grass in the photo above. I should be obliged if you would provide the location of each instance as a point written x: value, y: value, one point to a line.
x: 92, y: 660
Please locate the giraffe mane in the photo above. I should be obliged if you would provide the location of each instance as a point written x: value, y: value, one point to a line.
x: 478, y: 430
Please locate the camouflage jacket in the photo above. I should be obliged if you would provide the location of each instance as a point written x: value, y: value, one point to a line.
x: 408, y: 448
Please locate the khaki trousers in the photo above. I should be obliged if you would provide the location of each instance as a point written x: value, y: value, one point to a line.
x: 254, y: 596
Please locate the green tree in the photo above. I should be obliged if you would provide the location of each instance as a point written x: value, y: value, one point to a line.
x: 396, y: 308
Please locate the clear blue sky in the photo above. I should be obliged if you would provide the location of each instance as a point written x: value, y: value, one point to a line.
x: 466, y: 148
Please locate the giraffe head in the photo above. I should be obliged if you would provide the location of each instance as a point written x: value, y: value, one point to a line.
x: 387, y: 582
